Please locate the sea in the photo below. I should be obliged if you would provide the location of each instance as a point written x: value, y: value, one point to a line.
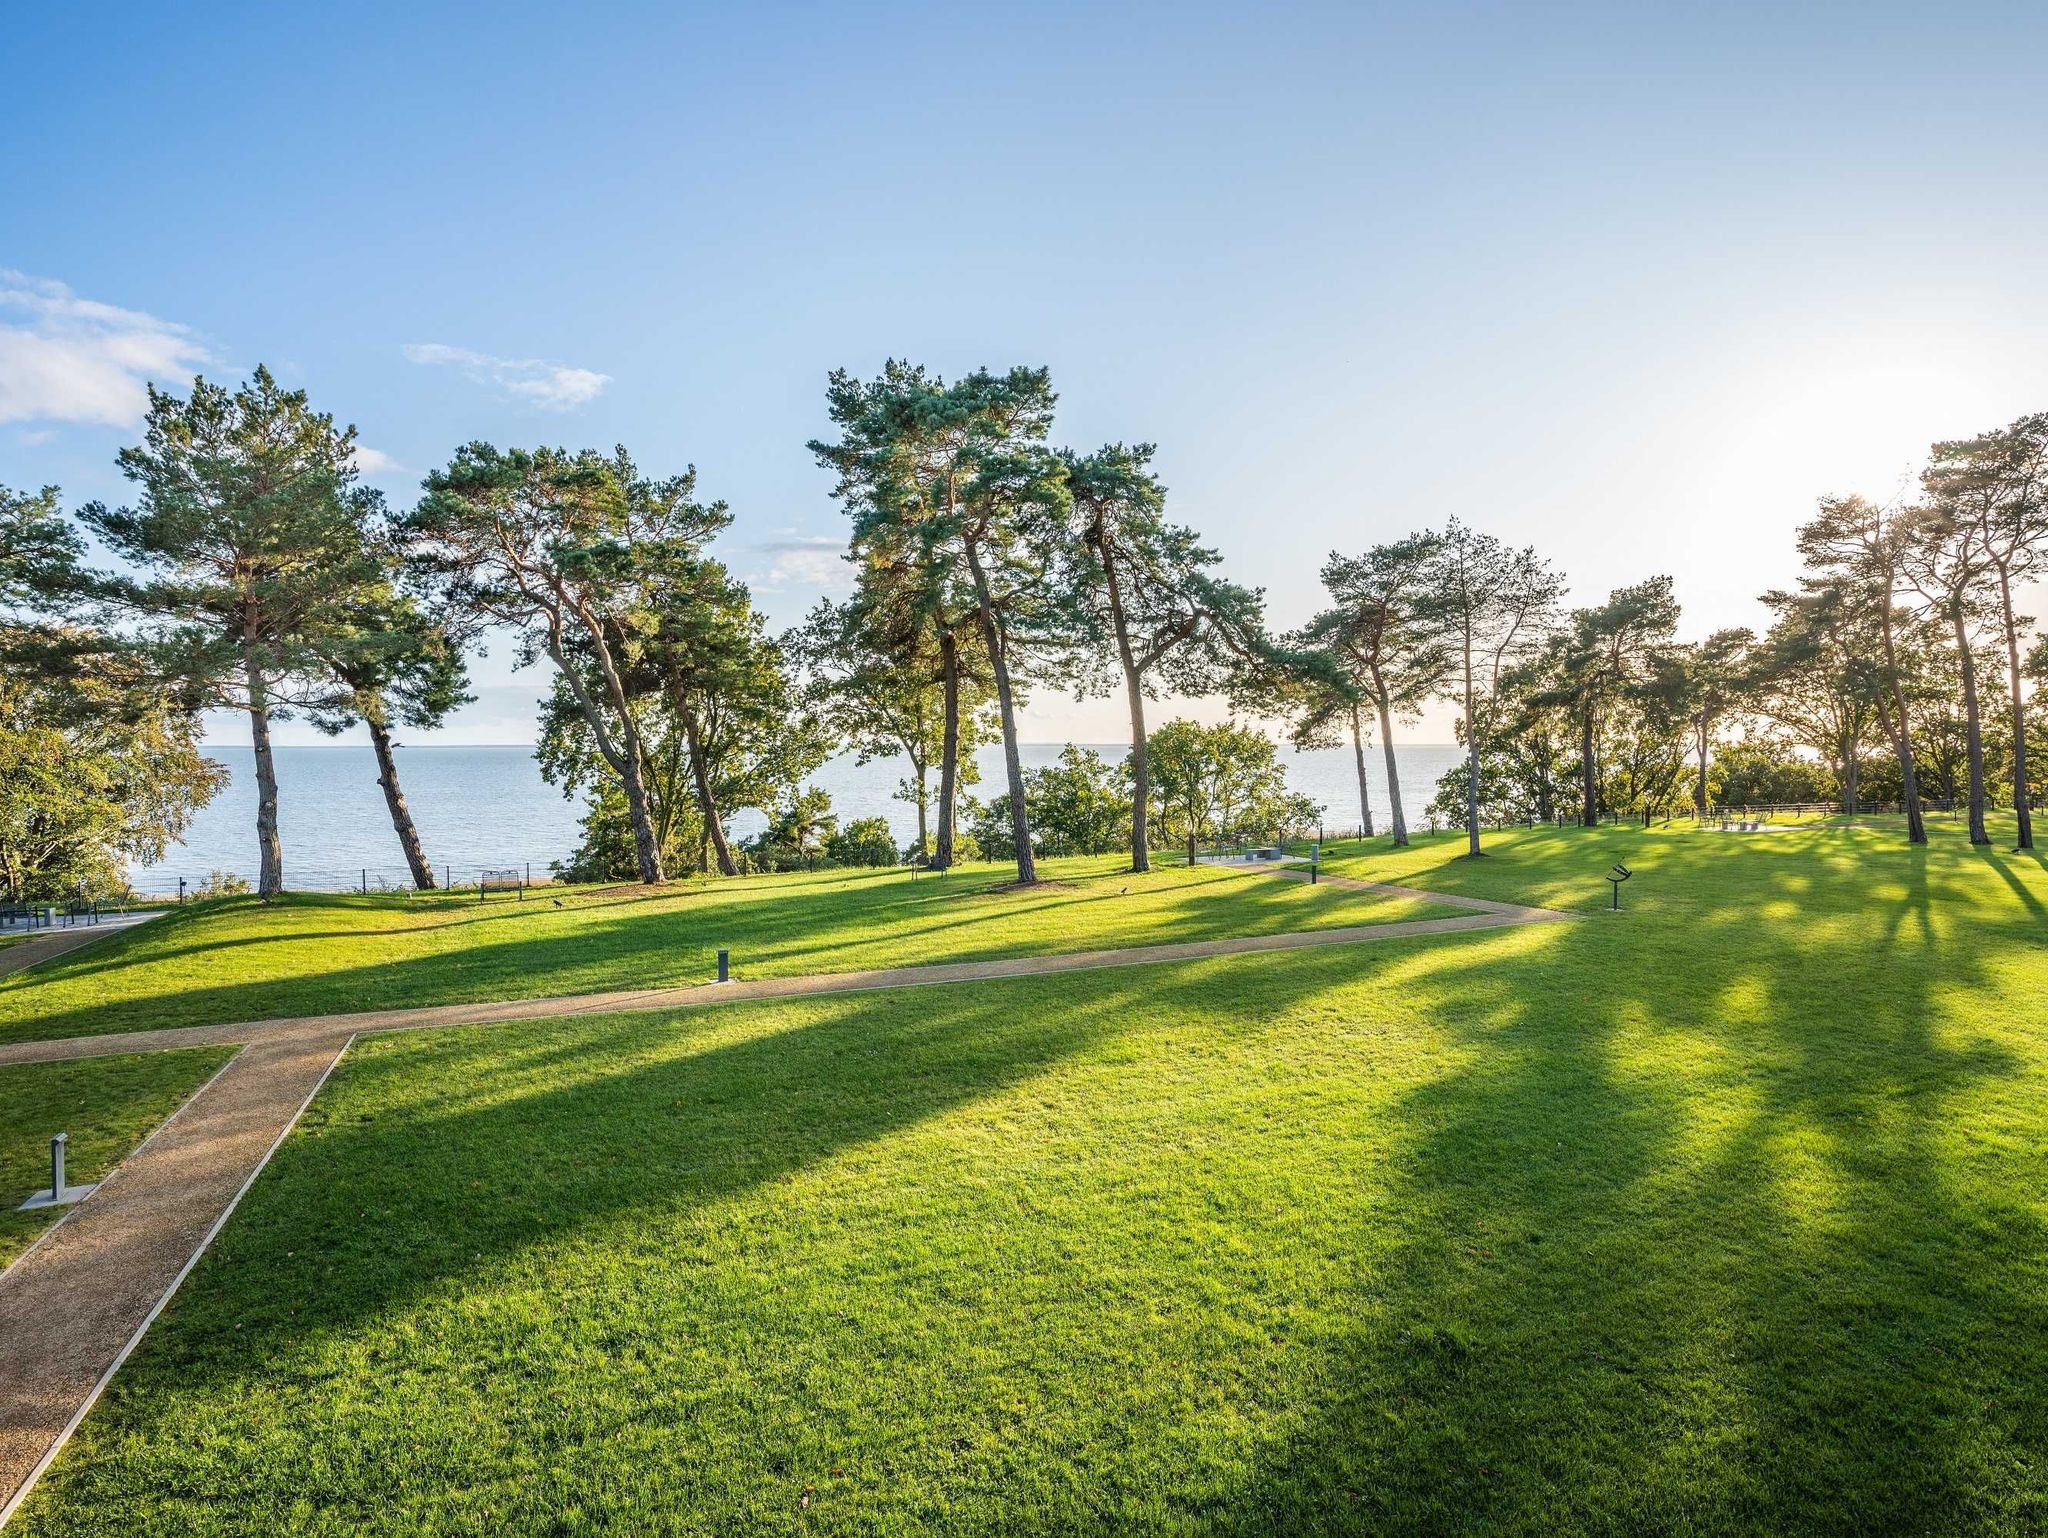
x: 488, y: 808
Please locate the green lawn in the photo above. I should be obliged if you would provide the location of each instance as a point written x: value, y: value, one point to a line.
x: 240, y: 960
x: 107, y: 1104
x: 1725, y: 1214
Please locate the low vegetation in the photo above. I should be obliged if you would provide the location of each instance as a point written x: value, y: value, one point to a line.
x: 106, y: 1104
x: 313, y: 954
x: 1722, y: 1214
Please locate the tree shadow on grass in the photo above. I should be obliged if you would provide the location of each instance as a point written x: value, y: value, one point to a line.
x: 1667, y: 1270
x: 778, y: 933
x: 1692, y: 1222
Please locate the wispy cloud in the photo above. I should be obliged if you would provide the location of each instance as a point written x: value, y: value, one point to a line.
x: 818, y: 563
x: 532, y: 381
x: 68, y: 359
x: 374, y: 461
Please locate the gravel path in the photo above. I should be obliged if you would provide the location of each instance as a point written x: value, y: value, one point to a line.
x: 59, y: 942
x: 78, y: 1301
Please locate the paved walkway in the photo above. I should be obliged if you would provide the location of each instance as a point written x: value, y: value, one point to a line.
x: 56, y: 942
x: 78, y: 1301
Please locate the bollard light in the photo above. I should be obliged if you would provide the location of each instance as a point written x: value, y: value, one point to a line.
x: 724, y: 965
x: 61, y: 1193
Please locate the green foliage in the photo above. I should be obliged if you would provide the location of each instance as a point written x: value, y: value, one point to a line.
x: 607, y: 850
x: 1764, y: 770
x: 1223, y: 784
x: 97, y: 768
x: 799, y: 828
x: 255, y: 547
x: 39, y: 551
x: 957, y: 508
x: 220, y: 883
x: 864, y: 841
x: 878, y: 684
x: 574, y: 553
x: 1080, y: 805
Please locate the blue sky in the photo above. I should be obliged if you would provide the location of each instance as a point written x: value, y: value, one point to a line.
x: 1634, y: 284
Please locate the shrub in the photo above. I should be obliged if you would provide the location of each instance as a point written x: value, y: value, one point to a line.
x: 864, y: 841
x: 221, y: 883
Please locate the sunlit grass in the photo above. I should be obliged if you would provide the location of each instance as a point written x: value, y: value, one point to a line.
x: 1691, y: 1219
x: 106, y: 1104
x: 243, y: 960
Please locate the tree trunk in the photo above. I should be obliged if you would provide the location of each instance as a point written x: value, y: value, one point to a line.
x: 1902, y: 739
x: 1849, y: 782
x: 1702, y: 733
x: 394, y: 798
x: 923, y: 837
x: 269, y: 849
x: 1400, y: 819
x: 1898, y: 729
x: 707, y: 807
x: 1134, y: 690
x: 1973, y: 729
x: 949, y: 752
x: 1141, y: 779
x: 1471, y: 754
x: 626, y: 762
x: 1013, y: 765
x: 1358, y: 756
x: 1589, y: 783
x: 2019, y: 714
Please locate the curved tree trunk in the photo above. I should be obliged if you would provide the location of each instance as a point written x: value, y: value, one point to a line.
x: 626, y: 762
x: 1358, y: 757
x: 949, y: 751
x: 394, y: 798
x: 1013, y: 765
x: 1394, y: 811
x: 2019, y: 714
x: 269, y: 848
x: 1973, y: 728
x: 707, y: 807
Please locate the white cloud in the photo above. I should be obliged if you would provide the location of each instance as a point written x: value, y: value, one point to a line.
x: 532, y: 381
x: 803, y: 563
x: 374, y: 461
x: 67, y: 359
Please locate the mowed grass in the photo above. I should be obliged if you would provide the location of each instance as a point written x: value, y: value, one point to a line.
x: 1725, y: 1214
x: 106, y: 1104
x: 310, y: 954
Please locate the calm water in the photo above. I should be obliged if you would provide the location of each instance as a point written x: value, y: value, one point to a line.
x: 488, y: 806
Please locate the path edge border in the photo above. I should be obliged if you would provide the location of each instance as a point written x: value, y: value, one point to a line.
x: 150, y: 1137
x: 27, y: 1487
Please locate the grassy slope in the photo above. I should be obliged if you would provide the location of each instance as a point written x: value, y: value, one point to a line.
x: 314, y: 955
x: 107, y: 1104
x: 1722, y: 1215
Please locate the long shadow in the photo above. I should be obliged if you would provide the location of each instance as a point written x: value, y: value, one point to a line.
x: 796, y: 929
x: 1698, y: 1268
x: 1697, y: 1220
x: 521, y: 1137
